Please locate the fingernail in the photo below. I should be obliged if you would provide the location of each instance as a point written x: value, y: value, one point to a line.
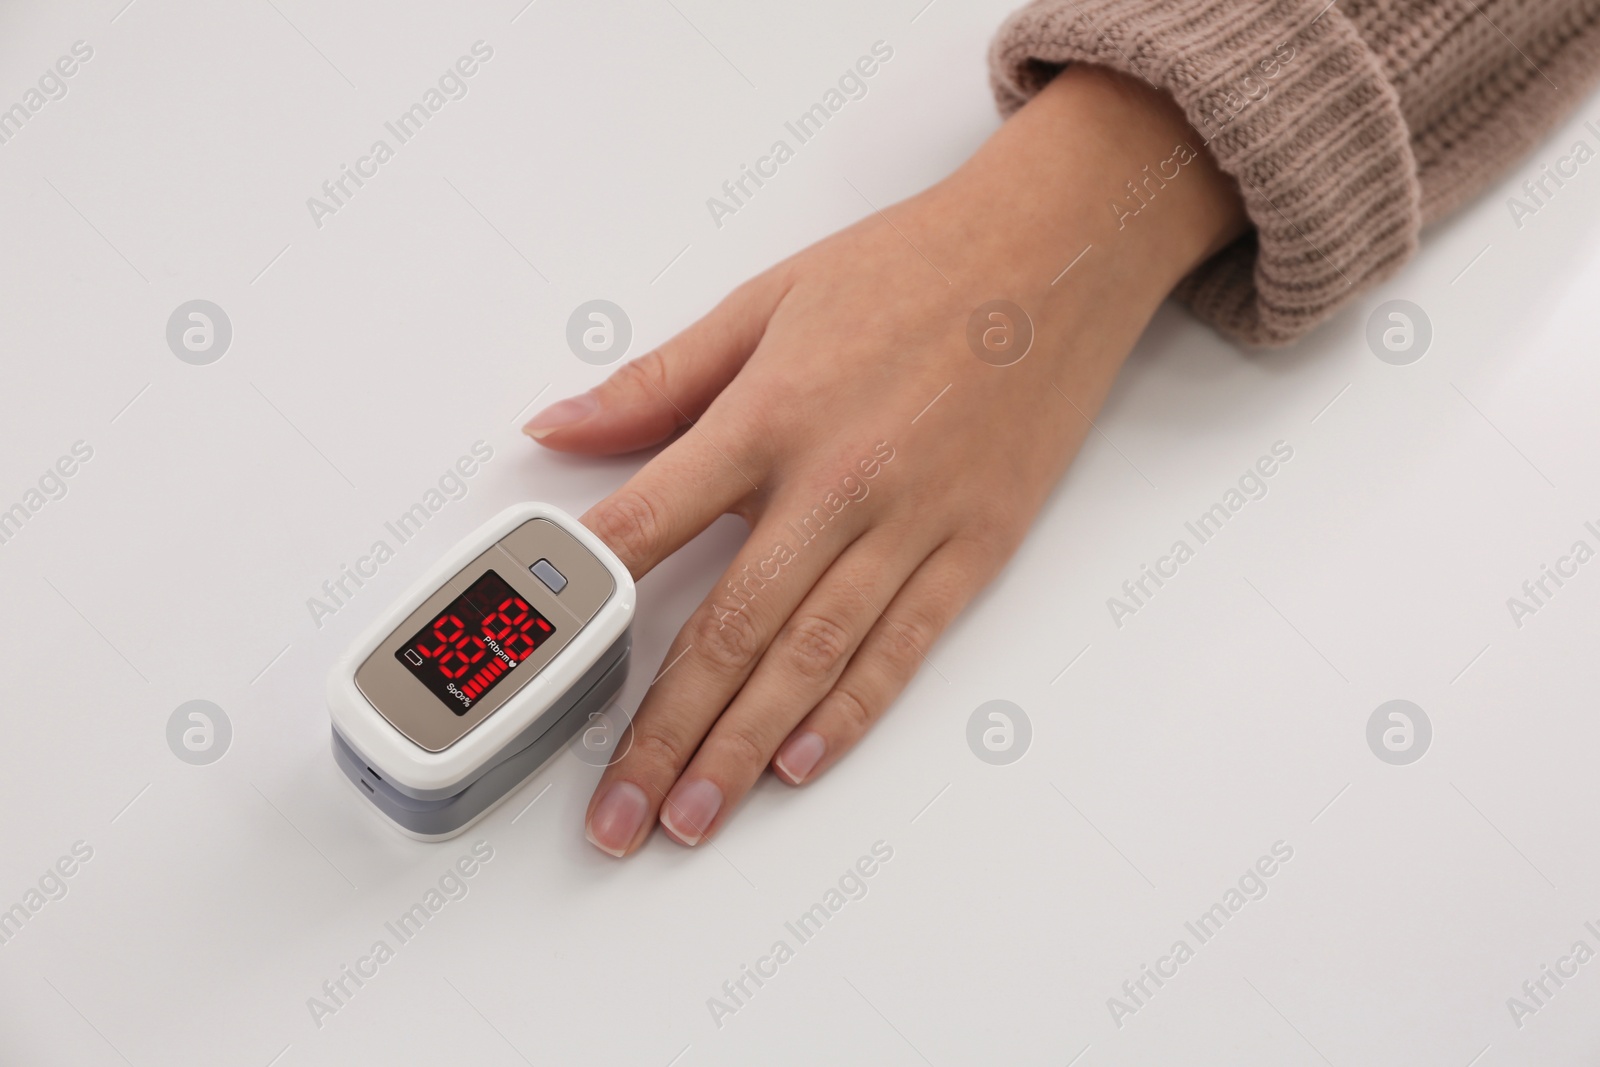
x: 562, y: 413
x: 799, y: 757
x: 689, y: 809
x: 616, y: 818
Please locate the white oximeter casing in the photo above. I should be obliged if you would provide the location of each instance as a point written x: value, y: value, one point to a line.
x: 486, y: 666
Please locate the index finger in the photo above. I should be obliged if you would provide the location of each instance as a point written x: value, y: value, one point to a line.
x: 671, y: 500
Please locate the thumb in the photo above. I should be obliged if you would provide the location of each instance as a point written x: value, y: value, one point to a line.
x: 647, y: 399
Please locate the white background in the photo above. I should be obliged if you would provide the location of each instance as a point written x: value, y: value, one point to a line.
x: 370, y: 353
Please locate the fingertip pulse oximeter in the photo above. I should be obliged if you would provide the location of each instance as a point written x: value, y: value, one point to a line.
x: 482, y: 670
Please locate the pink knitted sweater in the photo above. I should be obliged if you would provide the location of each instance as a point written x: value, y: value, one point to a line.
x: 1347, y: 125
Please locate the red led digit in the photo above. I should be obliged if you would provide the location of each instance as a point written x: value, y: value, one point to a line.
x: 471, y: 648
x: 498, y: 625
x: 519, y: 645
x: 440, y: 625
x: 504, y: 621
x: 466, y: 649
x: 464, y: 654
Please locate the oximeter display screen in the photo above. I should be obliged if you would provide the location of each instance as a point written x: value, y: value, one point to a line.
x: 475, y: 642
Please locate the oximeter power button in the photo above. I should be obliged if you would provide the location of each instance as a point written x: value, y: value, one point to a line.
x: 546, y: 572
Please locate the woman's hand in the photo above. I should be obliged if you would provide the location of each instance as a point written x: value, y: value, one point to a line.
x: 887, y: 473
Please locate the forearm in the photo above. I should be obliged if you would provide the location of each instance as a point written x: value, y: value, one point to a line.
x: 1084, y: 209
x: 1101, y: 159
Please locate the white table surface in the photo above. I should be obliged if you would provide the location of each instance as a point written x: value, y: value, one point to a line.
x: 1229, y: 714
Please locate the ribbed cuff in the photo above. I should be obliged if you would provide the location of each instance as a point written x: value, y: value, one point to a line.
x: 1293, y: 105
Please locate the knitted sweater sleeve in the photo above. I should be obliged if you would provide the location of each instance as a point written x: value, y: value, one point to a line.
x: 1347, y: 125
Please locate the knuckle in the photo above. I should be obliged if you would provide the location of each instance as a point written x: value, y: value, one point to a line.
x: 642, y: 379
x: 631, y: 523
x: 747, y: 749
x: 729, y: 640
x: 992, y: 541
x: 903, y: 641
x: 851, y: 711
x: 659, y: 750
x: 816, y: 646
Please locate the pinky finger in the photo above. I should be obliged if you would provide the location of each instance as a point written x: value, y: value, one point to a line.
x: 893, y: 651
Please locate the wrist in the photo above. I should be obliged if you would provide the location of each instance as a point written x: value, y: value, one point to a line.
x: 1102, y: 165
